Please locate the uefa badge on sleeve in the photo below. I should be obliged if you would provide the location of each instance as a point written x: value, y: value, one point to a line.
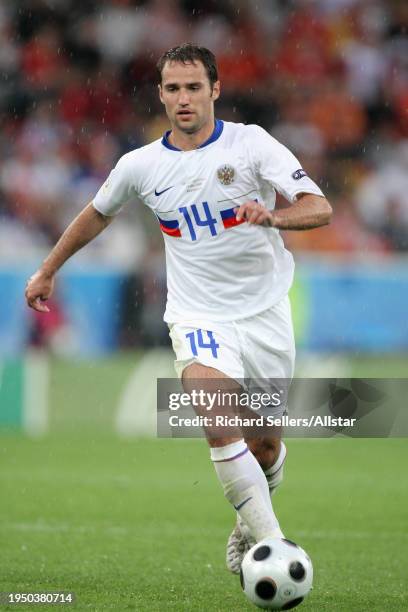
x: 226, y: 174
x: 299, y: 174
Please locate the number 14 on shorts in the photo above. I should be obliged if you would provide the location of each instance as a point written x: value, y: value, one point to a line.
x: 197, y: 341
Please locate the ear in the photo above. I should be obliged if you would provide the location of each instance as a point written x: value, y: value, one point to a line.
x: 160, y: 93
x: 216, y: 90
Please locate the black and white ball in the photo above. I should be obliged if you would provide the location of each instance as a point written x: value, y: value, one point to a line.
x: 276, y: 574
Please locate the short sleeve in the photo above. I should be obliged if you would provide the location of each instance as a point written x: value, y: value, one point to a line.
x: 275, y: 164
x: 118, y: 188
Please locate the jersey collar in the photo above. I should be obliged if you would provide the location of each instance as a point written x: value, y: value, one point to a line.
x: 219, y: 126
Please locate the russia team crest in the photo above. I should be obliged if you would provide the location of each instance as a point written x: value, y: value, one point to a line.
x: 226, y: 174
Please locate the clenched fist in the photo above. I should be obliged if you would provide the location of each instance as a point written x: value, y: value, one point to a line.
x: 38, y: 289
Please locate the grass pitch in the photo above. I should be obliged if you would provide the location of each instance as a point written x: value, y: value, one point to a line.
x: 142, y: 524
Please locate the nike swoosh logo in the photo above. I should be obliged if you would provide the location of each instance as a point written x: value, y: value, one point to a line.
x: 242, y: 504
x: 158, y: 193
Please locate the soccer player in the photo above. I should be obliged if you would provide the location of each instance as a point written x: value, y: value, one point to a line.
x: 212, y: 186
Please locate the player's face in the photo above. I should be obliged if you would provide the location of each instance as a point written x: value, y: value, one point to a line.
x: 186, y: 93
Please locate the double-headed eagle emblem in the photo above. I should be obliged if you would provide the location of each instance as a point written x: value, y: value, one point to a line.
x: 226, y: 174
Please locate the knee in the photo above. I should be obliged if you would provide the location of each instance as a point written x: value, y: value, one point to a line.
x: 221, y: 442
x: 266, y: 451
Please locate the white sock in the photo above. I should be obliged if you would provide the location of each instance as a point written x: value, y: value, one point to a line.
x: 274, y: 474
x: 246, y: 488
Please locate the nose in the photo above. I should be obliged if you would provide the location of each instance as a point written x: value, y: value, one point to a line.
x: 184, y: 98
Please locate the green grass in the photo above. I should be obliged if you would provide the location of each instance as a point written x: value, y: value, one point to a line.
x: 141, y: 525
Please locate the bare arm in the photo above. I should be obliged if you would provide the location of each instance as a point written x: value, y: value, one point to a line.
x: 307, y: 212
x: 84, y: 228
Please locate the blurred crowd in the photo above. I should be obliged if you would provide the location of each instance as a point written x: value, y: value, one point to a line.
x: 328, y: 78
x: 78, y: 88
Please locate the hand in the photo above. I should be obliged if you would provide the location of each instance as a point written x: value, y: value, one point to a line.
x: 38, y: 289
x: 254, y: 213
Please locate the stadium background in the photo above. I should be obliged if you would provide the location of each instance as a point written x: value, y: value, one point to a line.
x: 329, y: 78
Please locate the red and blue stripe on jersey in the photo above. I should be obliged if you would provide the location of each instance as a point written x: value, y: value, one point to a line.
x: 171, y: 228
x: 229, y: 218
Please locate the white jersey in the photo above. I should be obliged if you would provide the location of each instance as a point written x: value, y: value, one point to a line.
x: 217, y: 269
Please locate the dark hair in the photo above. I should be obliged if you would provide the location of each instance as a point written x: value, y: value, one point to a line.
x: 186, y: 53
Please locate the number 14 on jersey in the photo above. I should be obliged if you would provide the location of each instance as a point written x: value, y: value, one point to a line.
x: 209, y: 220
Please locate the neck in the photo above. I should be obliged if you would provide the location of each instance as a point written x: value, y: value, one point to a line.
x: 189, y: 142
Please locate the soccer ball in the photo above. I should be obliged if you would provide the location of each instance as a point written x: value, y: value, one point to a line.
x: 276, y: 574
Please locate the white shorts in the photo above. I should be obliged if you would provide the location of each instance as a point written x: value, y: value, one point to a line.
x: 261, y: 346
